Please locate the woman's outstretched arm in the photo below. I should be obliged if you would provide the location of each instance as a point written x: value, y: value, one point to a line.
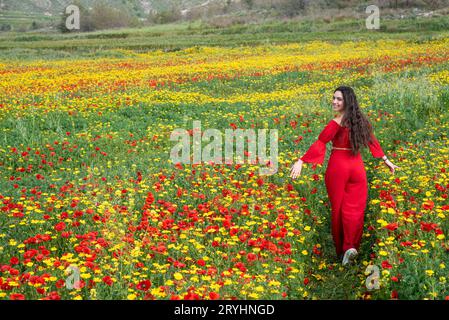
x: 377, y: 152
x: 317, y: 151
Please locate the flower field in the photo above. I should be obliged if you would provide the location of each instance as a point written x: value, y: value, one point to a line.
x: 86, y: 178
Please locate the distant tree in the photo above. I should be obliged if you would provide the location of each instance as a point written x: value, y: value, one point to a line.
x: 102, y: 16
x: 172, y: 14
x: 86, y: 23
x: 34, y: 25
x: 434, y: 4
x: 227, y: 6
x: 5, y: 27
x: 291, y: 8
x: 249, y: 3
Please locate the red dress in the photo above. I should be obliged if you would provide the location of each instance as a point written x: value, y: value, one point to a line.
x: 346, y: 183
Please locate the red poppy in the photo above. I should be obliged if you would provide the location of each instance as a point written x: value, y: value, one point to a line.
x: 40, y: 290
x: 14, y: 261
x: 144, y: 285
x: 391, y: 226
x: 394, y: 294
x: 214, y: 296
x: 201, y: 262
x: 251, y: 257
x: 191, y: 296
x: 428, y: 226
x: 53, y: 296
x: 60, y: 226
x: 17, y: 296
x: 108, y: 280
x: 60, y: 283
x: 428, y: 205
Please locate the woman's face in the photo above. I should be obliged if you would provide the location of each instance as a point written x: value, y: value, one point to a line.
x: 338, y: 103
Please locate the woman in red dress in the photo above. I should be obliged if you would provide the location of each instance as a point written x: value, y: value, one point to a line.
x: 345, y: 176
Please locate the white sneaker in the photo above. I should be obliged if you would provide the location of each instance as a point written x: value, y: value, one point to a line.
x: 349, y: 256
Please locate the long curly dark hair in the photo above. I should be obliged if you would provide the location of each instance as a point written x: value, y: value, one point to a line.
x: 360, y: 129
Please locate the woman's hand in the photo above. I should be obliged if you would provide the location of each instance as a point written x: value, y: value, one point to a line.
x: 296, y: 169
x: 391, y: 166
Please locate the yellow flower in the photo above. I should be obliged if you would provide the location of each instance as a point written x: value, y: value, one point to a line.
x: 429, y: 273
x: 228, y: 282
x: 260, y: 289
x: 177, y: 276
x: 274, y: 283
x: 391, y: 210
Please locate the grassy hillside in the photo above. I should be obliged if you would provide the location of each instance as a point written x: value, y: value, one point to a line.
x: 45, y: 15
x: 20, y: 15
x: 56, y: 6
x: 172, y: 37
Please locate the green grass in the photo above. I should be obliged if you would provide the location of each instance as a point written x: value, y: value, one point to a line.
x: 177, y: 36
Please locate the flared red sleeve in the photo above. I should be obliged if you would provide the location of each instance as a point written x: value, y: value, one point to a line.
x: 317, y: 151
x: 375, y: 148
